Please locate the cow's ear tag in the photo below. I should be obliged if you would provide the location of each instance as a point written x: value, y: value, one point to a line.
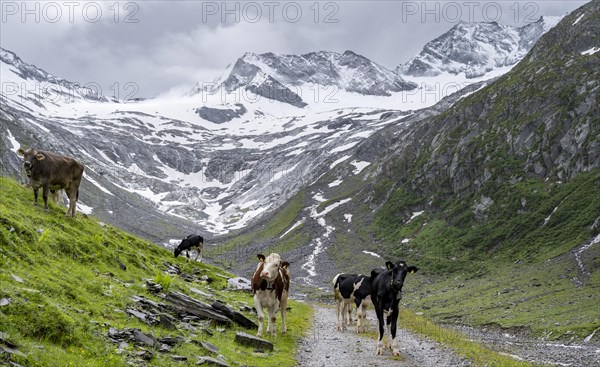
x: 412, y: 271
x: 40, y: 157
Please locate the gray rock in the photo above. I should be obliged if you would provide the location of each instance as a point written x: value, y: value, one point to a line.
x: 480, y: 209
x: 17, y: 278
x: 235, y: 316
x: 164, y: 348
x: 167, y: 321
x: 209, y: 347
x: 169, y: 340
x: 253, y: 341
x: 142, y: 338
x: 239, y: 283
x: 186, y: 305
x: 220, y: 116
x: 209, y: 361
x: 153, y: 287
x: 202, y: 293
x: 143, y: 316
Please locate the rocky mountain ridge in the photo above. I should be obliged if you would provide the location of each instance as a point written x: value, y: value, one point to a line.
x: 476, y: 48
x: 42, y: 86
x: 167, y: 156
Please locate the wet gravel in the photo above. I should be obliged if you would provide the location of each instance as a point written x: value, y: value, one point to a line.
x: 326, y: 347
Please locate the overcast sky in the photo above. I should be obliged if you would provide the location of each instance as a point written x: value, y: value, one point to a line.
x: 147, y: 48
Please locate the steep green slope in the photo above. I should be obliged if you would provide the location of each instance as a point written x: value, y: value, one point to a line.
x: 64, y: 283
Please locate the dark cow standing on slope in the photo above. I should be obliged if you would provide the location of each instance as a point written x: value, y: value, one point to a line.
x: 386, y: 292
x: 51, y: 171
x: 193, y: 240
x: 271, y: 285
x: 352, y: 289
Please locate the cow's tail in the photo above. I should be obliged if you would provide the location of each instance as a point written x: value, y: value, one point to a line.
x: 335, y: 279
x: 77, y: 196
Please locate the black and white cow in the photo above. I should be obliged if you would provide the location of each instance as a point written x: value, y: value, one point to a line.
x: 191, y: 241
x: 341, y: 307
x: 386, y: 292
x: 351, y: 289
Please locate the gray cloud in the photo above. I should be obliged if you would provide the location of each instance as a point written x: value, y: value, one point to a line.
x: 161, y: 45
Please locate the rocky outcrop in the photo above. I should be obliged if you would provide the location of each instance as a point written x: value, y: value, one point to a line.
x: 219, y: 115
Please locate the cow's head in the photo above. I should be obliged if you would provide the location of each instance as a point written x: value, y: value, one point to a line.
x: 30, y: 157
x: 271, y: 265
x: 177, y: 251
x: 399, y: 271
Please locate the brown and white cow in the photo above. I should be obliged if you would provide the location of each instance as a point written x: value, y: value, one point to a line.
x: 271, y: 285
x: 51, y: 171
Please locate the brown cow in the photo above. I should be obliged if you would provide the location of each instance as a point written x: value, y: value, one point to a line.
x: 51, y: 171
x: 271, y: 285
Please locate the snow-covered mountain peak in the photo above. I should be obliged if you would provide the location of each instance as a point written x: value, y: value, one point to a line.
x: 279, y: 77
x: 34, y: 88
x: 476, y: 48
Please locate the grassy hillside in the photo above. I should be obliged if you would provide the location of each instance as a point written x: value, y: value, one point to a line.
x: 64, y: 283
x: 522, y: 266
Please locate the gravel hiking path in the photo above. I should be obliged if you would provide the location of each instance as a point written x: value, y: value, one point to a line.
x: 327, y: 347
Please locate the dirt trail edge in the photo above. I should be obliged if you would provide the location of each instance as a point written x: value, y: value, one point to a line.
x: 327, y: 347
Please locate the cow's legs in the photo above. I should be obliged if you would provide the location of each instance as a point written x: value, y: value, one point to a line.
x: 348, y: 315
x: 272, y: 318
x: 45, y: 192
x: 358, y: 303
x: 380, y: 321
x: 338, y: 313
x: 283, y: 308
x: 388, y: 323
x: 72, y: 201
x: 361, y: 312
x: 35, y: 196
x: 343, y: 315
x: 198, y: 253
x: 261, y: 315
x: 393, y: 330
